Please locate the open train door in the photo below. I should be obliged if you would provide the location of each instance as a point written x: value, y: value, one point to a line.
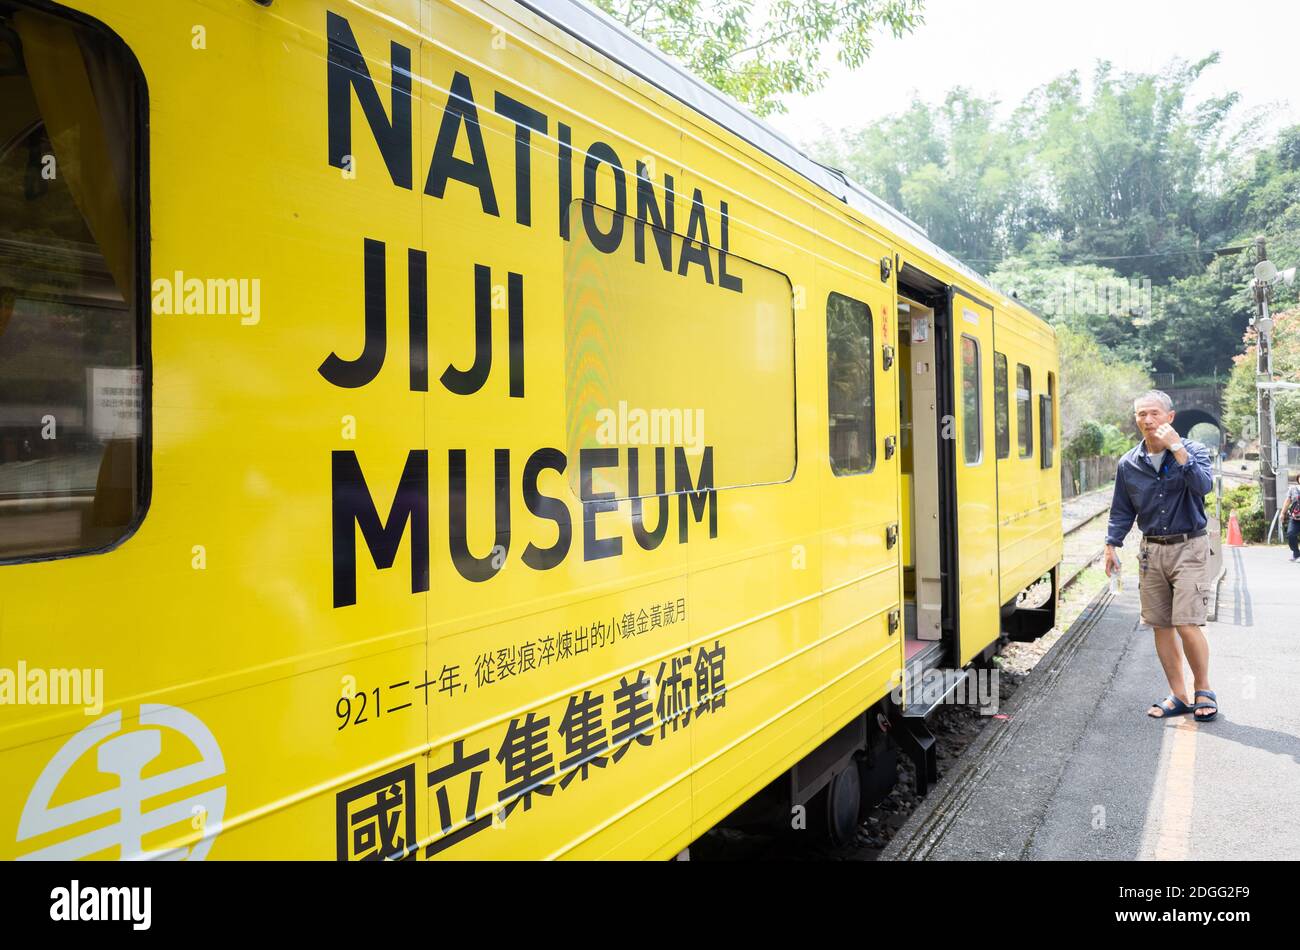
x: 971, y: 493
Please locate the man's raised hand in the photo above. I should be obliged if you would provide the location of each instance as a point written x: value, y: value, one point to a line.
x: 1168, y: 435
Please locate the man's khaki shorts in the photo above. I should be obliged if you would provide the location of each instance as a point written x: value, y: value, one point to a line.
x: 1174, y: 583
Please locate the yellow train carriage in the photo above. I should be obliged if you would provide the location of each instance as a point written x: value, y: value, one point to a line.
x: 449, y: 430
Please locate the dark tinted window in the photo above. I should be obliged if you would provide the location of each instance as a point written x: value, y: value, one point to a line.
x: 1047, y: 419
x: 1024, y: 411
x: 851, y: 393
x: 1001, y: 405
x: 71, y: 360
x: 972, y: 424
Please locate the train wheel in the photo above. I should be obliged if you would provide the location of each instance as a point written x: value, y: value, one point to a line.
x: 879, y: 773
x: 842, y: 806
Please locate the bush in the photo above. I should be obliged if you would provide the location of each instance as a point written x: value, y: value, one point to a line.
x: 1114, y: 442
x: 1088, y: 441
x: 1245, y: 501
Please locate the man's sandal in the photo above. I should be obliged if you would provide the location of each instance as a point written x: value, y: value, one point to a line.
x: 1212, y: 704
x: 1180, y: 708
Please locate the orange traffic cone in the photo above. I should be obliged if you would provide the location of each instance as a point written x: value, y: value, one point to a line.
x: 1234, y: 531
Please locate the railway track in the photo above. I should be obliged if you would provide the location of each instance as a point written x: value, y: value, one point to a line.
x: 1244, y: 477
x: 1077, y: 571
x: 1241, y: 476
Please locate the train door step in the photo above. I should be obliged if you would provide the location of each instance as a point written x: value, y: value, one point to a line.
x: 913, y: 736
x: 928, y: 689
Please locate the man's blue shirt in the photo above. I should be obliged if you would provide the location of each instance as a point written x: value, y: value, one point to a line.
x: 1171, y: 501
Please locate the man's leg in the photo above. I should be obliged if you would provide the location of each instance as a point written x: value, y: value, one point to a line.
x: 1191, y: 600
x: 1157, y: 596
x: 1293, y: 539
x: 1171, y: 658
x: 1197, y: 648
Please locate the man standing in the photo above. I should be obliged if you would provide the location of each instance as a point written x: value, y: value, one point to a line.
x: 1290, y: 521
x: 1162, y: 483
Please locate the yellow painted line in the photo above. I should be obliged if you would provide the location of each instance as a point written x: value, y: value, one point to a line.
x: 1173, y: 830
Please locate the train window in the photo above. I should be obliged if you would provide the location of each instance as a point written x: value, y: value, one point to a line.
x: 1024, y: 411
x: 1001, y: 405
x: 72, y: 434
x: 905, y: 402
x: 1047, y: 419
x: 972, y: 423
x: 850, y: 391
x: 679, y: 359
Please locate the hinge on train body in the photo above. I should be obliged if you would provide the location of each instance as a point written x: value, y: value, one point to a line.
x: 893, y: 621
x: 887, y: 356
x: 890, y: 442
x: 891, y: 536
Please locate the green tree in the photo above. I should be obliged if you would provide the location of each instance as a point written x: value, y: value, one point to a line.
x: 1196, y: 322
x: 1240, y: 406
x: 1117, y: 441
x: 1096, y: 385
x: 1103, y: 208
x: 1239, y: 398
x: 886, y: 153
x: 1089, y: 440
x: 757, y: 60
x: 952, y: 168
x: 1088, y: 298
x: 1131, y: 167
x: 1128, y: 175
x: 1263, y: 198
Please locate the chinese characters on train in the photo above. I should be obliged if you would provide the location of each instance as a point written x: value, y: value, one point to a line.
x: 534, y: 760
x: 356, y: 708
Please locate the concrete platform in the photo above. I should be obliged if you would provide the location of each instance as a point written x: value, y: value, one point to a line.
x: 1077, y: 770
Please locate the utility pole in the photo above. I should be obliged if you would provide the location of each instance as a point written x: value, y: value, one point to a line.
x: 1264, y: 398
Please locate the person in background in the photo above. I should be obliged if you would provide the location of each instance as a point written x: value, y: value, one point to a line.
x: 1291, y: 517
x: 1161, y: 482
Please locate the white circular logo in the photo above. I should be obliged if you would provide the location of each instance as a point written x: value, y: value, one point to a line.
x: 125, y: 754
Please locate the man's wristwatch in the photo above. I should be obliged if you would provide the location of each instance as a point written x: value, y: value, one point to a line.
x: 1176, y: 447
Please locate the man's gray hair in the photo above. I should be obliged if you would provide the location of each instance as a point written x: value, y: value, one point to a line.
x: 1158, y: 396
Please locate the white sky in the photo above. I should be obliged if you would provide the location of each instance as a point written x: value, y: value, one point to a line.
x: 1005, y: 48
